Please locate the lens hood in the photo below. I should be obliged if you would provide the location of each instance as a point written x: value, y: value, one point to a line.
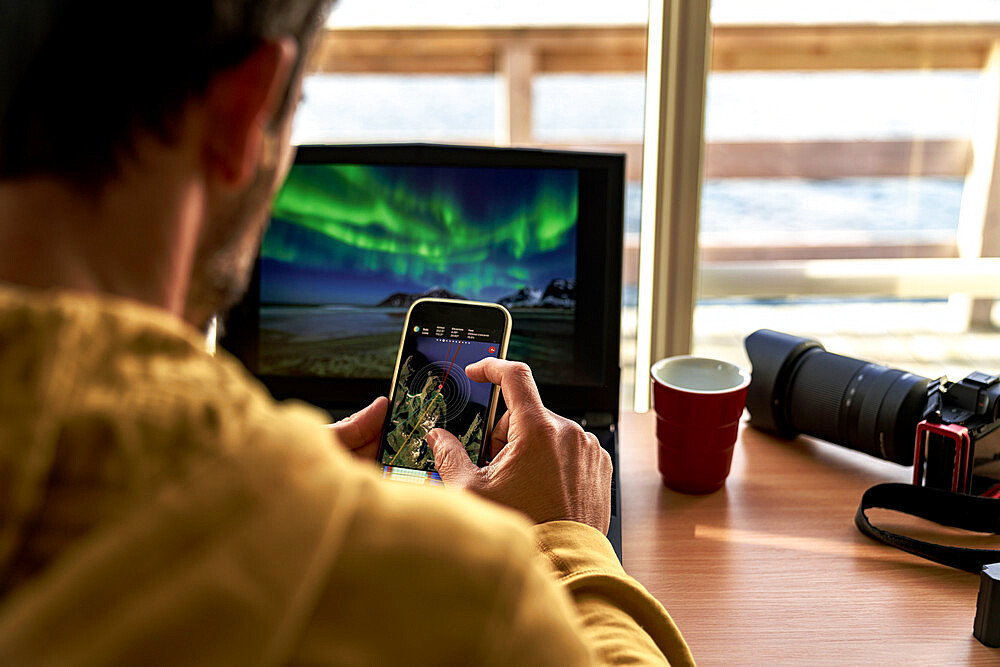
x: 773, y: 356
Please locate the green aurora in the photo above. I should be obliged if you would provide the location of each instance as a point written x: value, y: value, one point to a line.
x: 483, y: 233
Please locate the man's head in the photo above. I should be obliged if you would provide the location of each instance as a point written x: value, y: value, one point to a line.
x: 85, y: 85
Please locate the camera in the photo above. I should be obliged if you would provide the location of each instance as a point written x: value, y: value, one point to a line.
x: 948, y: 431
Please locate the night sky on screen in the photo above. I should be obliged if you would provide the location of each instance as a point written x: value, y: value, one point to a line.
x: 354, y: 234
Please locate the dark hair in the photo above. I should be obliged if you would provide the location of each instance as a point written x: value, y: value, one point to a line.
x: 78, y: 79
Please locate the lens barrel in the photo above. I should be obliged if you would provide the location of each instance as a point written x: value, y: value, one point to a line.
x: 797, y: 386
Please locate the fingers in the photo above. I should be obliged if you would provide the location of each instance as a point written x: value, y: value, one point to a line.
x: 364, y: 426
x: 514, y: 378
x: 498, y: 440
x: 450, y: 459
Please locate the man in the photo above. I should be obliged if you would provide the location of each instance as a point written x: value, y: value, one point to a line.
x: 155, y: 504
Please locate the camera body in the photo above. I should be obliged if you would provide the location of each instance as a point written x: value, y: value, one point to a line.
x: 953, y: 446
x: 949, y: 431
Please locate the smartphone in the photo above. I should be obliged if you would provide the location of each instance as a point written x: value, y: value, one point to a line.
x: 431, y: 390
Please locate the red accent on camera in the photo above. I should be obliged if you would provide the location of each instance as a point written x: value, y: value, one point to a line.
x: 960, y: 479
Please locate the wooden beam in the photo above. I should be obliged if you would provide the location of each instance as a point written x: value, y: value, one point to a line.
x: 404, y: 50
x: 840, y: 47
x: 469, y: 50
x: 807, y: 159
x: 720, y: 253
x: 475, y: 50
x: 901, y: 278
x: 837, y: 159
x: 516, y: 64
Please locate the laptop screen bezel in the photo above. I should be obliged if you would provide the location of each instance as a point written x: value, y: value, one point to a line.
x: 601, y: 247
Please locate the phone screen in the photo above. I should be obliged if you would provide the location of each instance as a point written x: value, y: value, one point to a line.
x: 431, y: 390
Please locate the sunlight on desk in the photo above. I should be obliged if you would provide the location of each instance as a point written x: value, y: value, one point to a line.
x: 771, y: 569
x: 776, y: 541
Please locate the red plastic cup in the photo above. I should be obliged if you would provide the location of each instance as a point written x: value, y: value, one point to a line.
x: 698, y: 404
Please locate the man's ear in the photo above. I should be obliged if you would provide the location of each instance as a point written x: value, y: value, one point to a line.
x: 240, y: 104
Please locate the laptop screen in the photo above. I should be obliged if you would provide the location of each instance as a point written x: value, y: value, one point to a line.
x: 357, y: 233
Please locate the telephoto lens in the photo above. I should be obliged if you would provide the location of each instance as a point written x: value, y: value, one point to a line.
x: 796, y: 386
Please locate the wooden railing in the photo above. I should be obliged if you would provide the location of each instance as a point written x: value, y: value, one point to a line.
x: 517, y: 54
x: 609, y: 48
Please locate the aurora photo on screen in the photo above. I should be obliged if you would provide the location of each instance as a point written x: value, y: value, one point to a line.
x: 350, y: 247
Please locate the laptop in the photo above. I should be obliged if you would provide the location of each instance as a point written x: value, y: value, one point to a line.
x: 359, y: 232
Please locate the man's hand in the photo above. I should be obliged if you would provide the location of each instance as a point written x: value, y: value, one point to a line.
x: 543, y: 465
x: 360, y: 432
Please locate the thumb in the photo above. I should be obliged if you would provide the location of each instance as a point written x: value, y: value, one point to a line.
x: 450, y: 459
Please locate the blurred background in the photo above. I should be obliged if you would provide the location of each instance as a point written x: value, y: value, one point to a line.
x: 850, y: 150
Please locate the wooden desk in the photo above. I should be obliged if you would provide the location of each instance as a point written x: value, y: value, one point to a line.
x: 771, y: 570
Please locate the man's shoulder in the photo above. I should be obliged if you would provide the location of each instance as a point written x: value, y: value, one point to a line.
x: 144, y: 375
x: 241, y: 501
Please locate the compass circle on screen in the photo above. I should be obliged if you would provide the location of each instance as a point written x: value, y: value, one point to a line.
x: 451, y: 381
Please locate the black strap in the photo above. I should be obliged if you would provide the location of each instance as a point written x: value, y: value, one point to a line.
x: 948, y: 509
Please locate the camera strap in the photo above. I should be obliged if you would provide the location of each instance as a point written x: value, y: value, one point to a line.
x: 973, y: 513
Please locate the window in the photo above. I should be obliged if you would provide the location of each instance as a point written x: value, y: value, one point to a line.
x: 850, y: 157
x: 559, y: 74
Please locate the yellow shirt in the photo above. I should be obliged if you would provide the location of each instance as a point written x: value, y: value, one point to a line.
x: 157, y: 506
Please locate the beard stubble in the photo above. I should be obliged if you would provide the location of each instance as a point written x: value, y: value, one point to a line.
x: 226, y: 253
